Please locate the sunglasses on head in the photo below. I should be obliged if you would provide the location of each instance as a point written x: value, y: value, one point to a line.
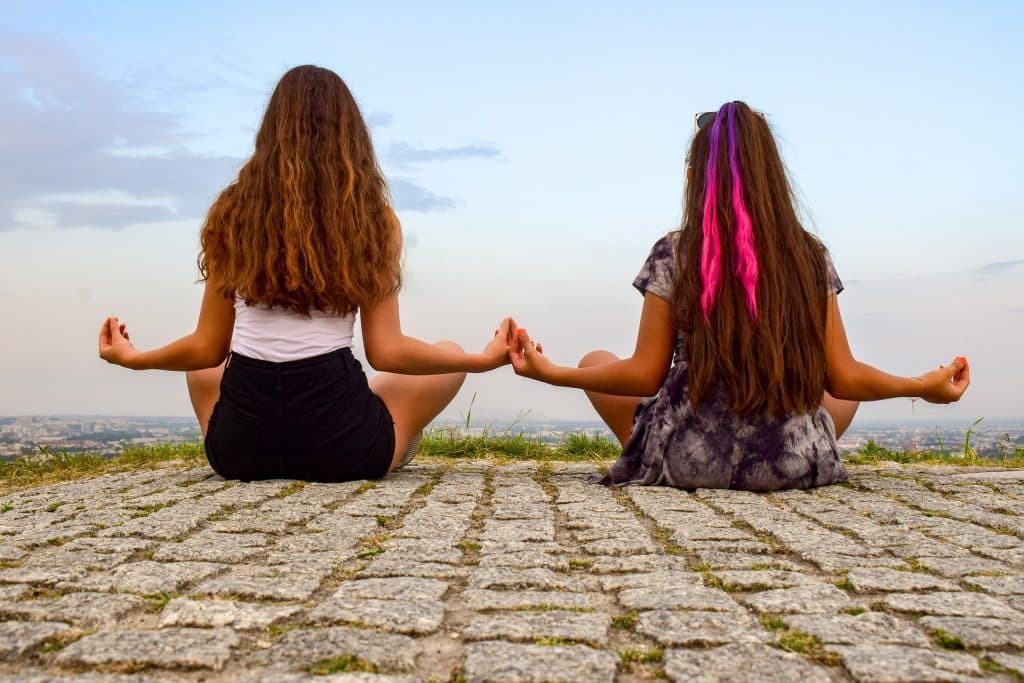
x: 703, y: 118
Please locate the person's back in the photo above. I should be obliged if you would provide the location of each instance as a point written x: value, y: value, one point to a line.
x: 740, y: 342
x: 291, y: 250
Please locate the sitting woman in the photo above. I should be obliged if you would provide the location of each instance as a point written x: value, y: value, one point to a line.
x: 303, y: 240
x: 740, y: 337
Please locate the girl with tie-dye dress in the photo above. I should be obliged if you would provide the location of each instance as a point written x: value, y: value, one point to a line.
x: 742, y: 376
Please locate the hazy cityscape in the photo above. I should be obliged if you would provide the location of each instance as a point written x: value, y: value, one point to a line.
x: 109, y: 435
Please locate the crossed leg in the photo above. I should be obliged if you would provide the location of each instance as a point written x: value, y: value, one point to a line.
x: 415, y: 400
x: 617, y: 411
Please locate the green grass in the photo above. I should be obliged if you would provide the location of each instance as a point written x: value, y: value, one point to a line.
x: 450, y: 442
x: 872, y: 453
x: 649, y: 656
x: 947, y: 640
x: 50, y: 466
x: 625, y: 622
x: 443, y: 443
x: 343, y: 664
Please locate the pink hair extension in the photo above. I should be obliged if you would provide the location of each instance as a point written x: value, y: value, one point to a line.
x: 711, y: 248
x: 746, y: 254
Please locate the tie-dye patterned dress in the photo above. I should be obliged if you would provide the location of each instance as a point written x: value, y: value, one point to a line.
x: 675, y: 444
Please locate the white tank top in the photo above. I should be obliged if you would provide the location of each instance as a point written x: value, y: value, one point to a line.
x: 280, y: 334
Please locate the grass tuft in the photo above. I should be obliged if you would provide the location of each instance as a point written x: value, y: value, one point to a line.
x: 649, y: 656
x: 947, y: 640
x: 625, y: 622
x: 343, y: 664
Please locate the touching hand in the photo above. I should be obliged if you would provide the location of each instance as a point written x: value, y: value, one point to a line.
x: 946, y: 384
x: 528, y: 358
x: 115, y: 346
x: 497, y: 349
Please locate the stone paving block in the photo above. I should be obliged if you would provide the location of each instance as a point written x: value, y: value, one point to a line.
x: 584, y: 627
x: 86, y: 609
x: 525, y: 559
x: 717, y: 559
x: 210, y: 546
x: 651, y: 580
x: 750, y: 580
x: 519, y: 530
x: 169, y: 648
x: 620, y: 546
x: 815, y: 599
x: 17, y: 637
x: 979, y: 632
x: 701, y: 628
x: 998, y: 585
x: 302, y: 648
x: 955, y: 567
x: 211, y: 613
x: 44, y: 576
x: 351, y: 677
x: 637, y: 563
x: 408, y: 615
x: 384, y: 566
x: 678, y: 597
x: 500, y: 662
x: 110, y: 545
x: 146, y: 577
x: 13, y: 591
x: 279, y: 582
x: 526, y: 599
x: 512, y: 579
x: 903, y: 664
x: 1012, y: 662
x: 24, y: 676
x: 869, y: 627
x: 881, y: 579
x: 398, y: 588
x: 742, y: 663
x: 952, y: 604
x: 425, y: 550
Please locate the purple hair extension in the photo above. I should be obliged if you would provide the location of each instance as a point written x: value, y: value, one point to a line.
x: 711, y: 248
x: 746, y: 254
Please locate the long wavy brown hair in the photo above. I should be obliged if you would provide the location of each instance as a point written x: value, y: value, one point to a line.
x: 308, y: 223
x: 759, y: 334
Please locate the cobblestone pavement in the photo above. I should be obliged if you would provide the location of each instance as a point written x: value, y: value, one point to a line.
x: 520, y: 572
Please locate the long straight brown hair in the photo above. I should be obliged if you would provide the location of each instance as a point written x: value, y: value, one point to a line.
x: 754, y: 326
x: 308, y: 223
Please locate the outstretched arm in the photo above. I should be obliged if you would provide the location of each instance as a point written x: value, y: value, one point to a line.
x: 642, y: 374
x: 850, y: 379
x: 389, y: 350
x: 206, y: 347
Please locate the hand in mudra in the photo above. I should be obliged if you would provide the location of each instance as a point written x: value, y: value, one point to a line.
x: 947, y: 383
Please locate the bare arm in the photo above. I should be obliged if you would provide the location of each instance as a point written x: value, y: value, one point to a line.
x: 206, y: 347
x: 642, y: 374
x: 389, y: 350
x: 850, y: 379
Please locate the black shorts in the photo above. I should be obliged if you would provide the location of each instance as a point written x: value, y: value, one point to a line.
x: 313, y: 419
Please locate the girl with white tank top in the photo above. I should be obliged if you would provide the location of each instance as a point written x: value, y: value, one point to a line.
x: 300, y: 242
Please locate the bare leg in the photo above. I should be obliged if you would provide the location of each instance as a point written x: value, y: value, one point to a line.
x: 415, y: 400
x: 841, y: 410
x: 204, y: 390
x: 616, y: 411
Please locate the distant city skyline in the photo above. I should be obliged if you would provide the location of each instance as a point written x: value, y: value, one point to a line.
x: 535, y: 153
x: 107, y: 435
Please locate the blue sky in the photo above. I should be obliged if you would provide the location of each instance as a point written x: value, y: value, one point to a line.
x: 535, y: 154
